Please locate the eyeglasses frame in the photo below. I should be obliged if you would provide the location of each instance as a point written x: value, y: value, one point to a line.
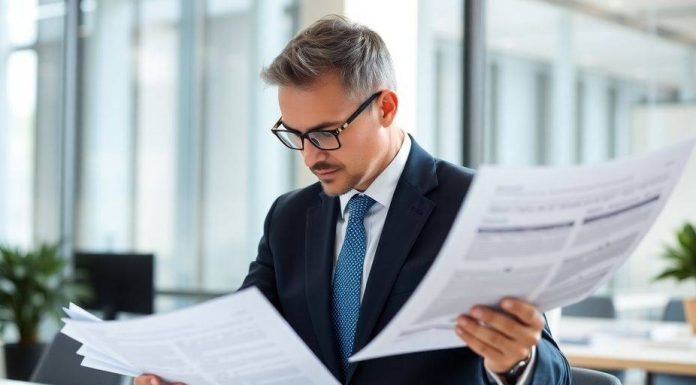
x: 275, y: 131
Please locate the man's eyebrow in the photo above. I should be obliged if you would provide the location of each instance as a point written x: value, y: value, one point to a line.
x: 318, y: 127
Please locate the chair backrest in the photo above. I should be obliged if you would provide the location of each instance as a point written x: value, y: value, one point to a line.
x: 674, y: 311
x: 582, y: 376
x: 59, y: 365
x: 597, y: 307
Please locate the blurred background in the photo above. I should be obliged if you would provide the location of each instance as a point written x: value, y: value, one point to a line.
x: 141, y: 126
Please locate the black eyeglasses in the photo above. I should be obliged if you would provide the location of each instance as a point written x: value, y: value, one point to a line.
x: 321, y: 138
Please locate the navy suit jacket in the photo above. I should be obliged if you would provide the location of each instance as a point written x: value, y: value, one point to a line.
x: 294, y: 267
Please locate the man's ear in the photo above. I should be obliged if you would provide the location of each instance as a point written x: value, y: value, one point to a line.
x: 388, y: 103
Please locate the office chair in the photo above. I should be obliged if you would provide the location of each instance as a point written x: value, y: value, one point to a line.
x: 59, y: 365
x: 674, y: 311
x: 582, y: 376
x: 595, y: 307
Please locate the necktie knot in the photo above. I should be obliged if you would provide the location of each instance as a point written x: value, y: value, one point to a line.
x: 359, y: 205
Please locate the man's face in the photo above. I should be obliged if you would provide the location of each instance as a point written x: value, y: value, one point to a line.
x: 364, y: 143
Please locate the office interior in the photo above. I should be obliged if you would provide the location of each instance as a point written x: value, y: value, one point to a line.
x: 140, y: 129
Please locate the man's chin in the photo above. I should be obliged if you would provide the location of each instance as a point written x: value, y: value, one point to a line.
x: 333, y: 190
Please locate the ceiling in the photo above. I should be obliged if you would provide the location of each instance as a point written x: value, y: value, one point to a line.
x: 652, y: 41
x: 677, y: 16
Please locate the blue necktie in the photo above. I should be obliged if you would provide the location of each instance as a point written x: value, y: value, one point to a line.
x: 345, y: 304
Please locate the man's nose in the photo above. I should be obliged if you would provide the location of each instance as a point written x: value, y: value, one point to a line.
x: 311, y: 154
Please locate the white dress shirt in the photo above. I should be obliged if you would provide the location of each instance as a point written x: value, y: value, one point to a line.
x: 381, y: 191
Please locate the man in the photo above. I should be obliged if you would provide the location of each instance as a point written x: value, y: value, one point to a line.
x: 340, y: 257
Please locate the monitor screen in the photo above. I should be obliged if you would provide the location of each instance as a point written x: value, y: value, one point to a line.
x: 120, y: 282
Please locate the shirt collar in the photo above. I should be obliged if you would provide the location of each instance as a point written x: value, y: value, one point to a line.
x: 383, y: 187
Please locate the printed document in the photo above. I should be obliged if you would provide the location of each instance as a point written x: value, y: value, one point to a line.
x: 547, y: 235
x: 235, y: 339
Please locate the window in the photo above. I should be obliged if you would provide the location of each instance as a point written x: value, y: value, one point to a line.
x: 172, y: 107
x: 31, y: 41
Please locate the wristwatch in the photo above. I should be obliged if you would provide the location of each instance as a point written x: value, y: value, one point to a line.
x: 513, y: 374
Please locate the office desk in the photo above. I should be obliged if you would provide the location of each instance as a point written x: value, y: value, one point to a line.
x: 665, y: 347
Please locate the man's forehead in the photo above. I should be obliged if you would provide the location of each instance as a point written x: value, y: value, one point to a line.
x: 326, y: 87
x: 303, y: 108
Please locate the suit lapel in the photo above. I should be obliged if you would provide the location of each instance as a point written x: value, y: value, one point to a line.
x: 321, y: 233
x: 408, y: 213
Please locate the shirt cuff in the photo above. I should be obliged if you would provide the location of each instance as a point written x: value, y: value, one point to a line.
x: 525, y: 378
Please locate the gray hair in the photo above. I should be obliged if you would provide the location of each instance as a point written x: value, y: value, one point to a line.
x: 334, y: 43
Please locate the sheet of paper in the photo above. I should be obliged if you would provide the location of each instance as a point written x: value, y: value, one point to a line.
x: 94, y: 358
x: 90, y: 352
x: 548, y: 235
x: 109, y: 366
x: 79, y: 314
x: 239, y: 338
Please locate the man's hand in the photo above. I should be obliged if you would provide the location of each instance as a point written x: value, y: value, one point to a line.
x: 148, y: 379
x: 502, y: 339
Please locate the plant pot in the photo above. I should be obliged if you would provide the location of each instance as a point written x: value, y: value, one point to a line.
x: 20, y: 360
x: 690, y: 312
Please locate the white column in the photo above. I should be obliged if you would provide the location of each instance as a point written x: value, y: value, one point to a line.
x: 107, y: 136
x: 270, y: 163
x: 4, y: 121
x: 448, y: 111
x: 312, y: 10
x: 628, y: 95
x: 426, y: 78
x: 156, y: 117
x: 517, y: 123
x: 562, y: 131
x: 189, y: 146
x: 688, y: 84
x: 595, y: 129
x: 49, y: 111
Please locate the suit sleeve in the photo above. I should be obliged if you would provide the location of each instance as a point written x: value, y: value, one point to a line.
x: 262, y: 270
x: 551, y: 366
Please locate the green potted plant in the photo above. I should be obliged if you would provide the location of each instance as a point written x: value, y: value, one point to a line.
x: 682, y: 266
x: 33, y: 286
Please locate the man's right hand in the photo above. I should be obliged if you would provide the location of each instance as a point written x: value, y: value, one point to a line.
x: 149, y: 379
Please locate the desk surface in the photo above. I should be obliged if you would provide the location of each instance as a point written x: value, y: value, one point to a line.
x: 11, y: 382
x: 666, y: 347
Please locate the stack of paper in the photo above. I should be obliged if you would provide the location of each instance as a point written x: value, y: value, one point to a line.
x: 94, y: 358
x: 239, y: 338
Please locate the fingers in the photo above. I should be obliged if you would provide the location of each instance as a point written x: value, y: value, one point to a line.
x: 488, y: 352
x: 493, y: 338
x: 147, y: 379
x: 513, y: 328
x: 502, y: 338
x: 523, y: 311
x: 503, y: 323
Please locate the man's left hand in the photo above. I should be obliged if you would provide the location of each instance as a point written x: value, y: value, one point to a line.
x: 502, y: 338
